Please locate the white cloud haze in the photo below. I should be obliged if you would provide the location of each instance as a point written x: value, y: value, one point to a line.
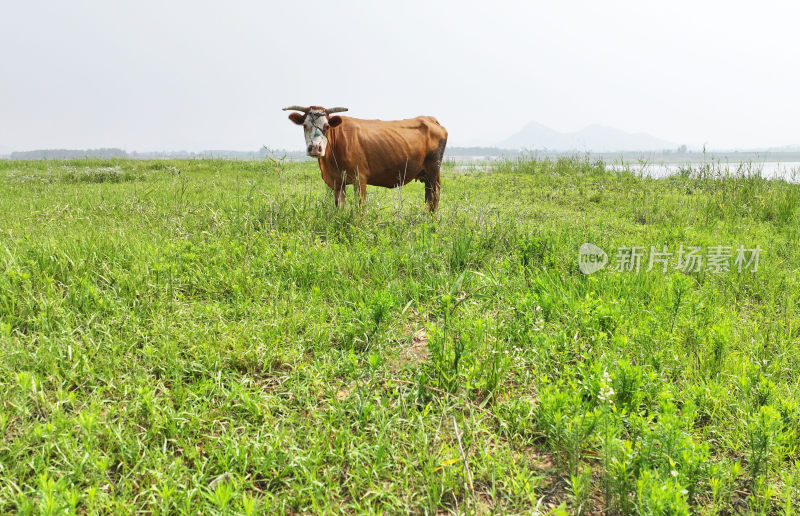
x: 175, y: 75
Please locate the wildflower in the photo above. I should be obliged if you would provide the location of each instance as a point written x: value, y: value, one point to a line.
x: 606, y: 391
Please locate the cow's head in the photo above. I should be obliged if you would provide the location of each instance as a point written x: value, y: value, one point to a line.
x: 316, y: 122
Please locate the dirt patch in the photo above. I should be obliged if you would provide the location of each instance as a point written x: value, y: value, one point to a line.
x: 415, y: 353
x: 343, y: 393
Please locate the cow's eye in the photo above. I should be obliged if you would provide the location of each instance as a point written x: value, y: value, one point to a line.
x: 325, y: 127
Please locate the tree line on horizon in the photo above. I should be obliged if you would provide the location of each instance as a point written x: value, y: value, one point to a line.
x: 110, y: 153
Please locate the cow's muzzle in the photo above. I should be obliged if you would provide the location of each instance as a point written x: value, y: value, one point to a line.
x: 315, y: 151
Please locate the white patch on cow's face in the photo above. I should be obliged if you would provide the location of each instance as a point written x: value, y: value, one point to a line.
x: 316, y: 129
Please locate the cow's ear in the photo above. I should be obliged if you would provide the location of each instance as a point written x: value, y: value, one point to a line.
x: 334, y: 121
x: 297, y: 118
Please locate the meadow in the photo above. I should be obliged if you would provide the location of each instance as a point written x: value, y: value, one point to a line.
x: 215, y: 337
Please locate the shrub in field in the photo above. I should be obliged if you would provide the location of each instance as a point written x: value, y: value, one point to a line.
x: 763, y: 435
x: 657, y: 495
x: 566, y: 423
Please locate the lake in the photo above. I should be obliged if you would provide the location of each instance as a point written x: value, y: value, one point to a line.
x: 788, y: 170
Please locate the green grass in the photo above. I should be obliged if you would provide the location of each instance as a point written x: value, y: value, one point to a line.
x: 216, y: 337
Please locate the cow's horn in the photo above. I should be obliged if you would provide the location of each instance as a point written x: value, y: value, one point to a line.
x: 336, y: 110
x: 297, y: 108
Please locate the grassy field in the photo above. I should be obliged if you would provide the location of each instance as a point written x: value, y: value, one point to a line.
x: 215, y: 337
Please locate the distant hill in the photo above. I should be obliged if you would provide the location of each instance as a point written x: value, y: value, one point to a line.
x: 595, y: 138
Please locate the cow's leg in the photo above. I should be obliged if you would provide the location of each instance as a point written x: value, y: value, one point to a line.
x: 339, y: 194
x: 361, y: 185
x: 433, y: 163
x: 432, y: 190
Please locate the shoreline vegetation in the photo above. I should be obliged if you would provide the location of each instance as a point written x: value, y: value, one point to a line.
x: 456, y: 154
x: 214, y: 336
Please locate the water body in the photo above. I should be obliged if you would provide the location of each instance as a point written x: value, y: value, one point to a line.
x: 787, y: 170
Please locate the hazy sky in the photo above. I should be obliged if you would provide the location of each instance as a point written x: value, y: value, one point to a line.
x: 171, y: 75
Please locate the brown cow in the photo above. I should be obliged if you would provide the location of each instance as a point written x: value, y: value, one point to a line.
x: 373, y: 152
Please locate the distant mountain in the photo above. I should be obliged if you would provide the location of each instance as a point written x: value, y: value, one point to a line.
x: 595, y: 138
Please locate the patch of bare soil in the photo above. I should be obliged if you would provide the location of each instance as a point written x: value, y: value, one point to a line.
x: 416, y: 353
